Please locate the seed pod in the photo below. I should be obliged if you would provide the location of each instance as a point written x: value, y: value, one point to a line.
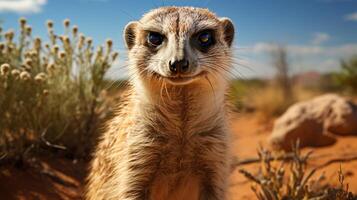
x: 81, y: 41
x: 37, y: 44
x: 45, y: 93
x: 50, y: 68
x: 55, y: 49
x: 53, y: 37
x: 109, y: 43
x: 25, y: 76
x: 49, y: 24
x: 33, y: 53
x: 89, y: 41
x: 9, y: 35
x: 15, y: 73
x: 82, y: 37
x: 40, y: 77
x: 67, y: 40
x: 26, y: 67
x: 28, y: 30
x: 66, y: 23
x: 75, y: 30
x: 22, y: 22
x: 4, y: 69
x: 115, y: 55
x: 28, y: 61
x: 62, y: 54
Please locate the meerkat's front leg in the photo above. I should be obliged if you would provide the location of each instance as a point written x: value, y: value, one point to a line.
x: 215, y: 173
x: 139, y: 174
x: 214, y: 188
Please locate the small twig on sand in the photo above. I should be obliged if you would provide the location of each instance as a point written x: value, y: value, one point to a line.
x: 248, y: 161
x: 290, y: 156
x: 57, y: 179
x: 51, y: 174
x: 3, y: 156
x: 337, y: 160
x: 43, y: 139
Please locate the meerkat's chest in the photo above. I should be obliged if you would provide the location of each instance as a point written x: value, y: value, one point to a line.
x: 187, y: 153
x: 178, y: 175
x: 178, y: 155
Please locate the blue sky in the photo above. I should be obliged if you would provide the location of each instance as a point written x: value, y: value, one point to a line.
x: 316, y: 33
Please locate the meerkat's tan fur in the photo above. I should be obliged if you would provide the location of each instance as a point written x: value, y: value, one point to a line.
x: 169, y: 141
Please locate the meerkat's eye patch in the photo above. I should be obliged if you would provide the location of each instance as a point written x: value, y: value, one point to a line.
x: 155, y: 39
x: 204, y: 39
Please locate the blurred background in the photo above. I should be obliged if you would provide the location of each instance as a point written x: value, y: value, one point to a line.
x: 63, y: 70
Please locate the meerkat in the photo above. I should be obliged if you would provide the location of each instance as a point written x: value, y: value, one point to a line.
x: 170, y: 138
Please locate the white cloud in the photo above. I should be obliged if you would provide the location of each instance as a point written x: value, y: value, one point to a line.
x: 22, y: 6
x: 320, y: 38
x: 301, y: 58
x: 351, y: 17
x: 305, y: 50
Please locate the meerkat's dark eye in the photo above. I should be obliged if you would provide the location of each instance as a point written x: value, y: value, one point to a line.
x: 205, y: 39
x: 155, y: 39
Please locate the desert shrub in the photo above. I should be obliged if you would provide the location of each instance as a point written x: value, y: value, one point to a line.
x: 276, y: 181
x: 50, y: 91
x: 266, y: 99
x: 257, y: 95
x: 347, y: 77
x: 279, y: 55
x: 328, y: 83
x: 271, y: 102
x: 240, y: 89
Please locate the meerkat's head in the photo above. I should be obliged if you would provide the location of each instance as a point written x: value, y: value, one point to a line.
x: 180, y: 45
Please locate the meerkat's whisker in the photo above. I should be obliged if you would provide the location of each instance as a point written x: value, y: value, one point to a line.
x: 214, y: 94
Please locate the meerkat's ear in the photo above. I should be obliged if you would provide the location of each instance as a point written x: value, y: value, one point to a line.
x: 228, y: 30
x: 129, y: 34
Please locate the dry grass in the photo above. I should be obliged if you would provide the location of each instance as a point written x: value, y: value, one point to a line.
x: 289, y: 179
x: 268, y: 101
x: 50, y: 91
x: 347, y: 77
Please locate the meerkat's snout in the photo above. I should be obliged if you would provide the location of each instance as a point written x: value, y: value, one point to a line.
x: 179, y: 66
x: 181, y: 72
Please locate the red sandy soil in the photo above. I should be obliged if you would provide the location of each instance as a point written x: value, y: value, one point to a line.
x: 63, y: 179
x: 250, y: 133
x: 51, y: 179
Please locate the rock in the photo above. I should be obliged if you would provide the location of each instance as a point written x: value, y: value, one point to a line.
x: 342, y: 119
x: 311, y: 121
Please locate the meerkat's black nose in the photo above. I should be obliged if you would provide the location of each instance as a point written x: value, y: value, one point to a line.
x: 179, y: 66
